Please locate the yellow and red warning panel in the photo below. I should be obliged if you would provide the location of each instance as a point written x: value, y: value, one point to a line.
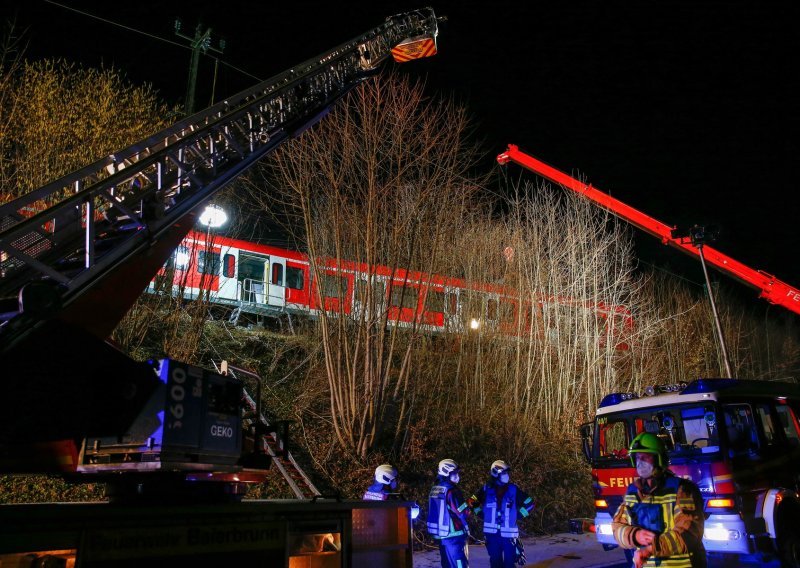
x: 415, y: 48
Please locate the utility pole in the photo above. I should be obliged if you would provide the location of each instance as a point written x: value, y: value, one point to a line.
x: 699, y: 236
x: 200, y: 42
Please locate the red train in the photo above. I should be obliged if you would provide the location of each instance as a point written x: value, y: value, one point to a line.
x: 268, y: 281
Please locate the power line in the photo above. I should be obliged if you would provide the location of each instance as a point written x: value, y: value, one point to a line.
x: 152, y: 36
x: 130, y: 29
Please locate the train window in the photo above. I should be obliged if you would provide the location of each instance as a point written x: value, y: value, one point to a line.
x: 404, y: 297
x: 181, y: 258
x: 294, y: 278
x: 229, y: 266
x: 251, y: 268
x: 378, y: 292
x: 434, y: 301
x: 277, y: 274
x: 208, y: 262
x: 334, y: 286
x: 491, y: 309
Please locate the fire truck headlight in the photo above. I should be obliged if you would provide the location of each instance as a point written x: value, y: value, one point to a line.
x: 720, y: 534
x: 604, y: 529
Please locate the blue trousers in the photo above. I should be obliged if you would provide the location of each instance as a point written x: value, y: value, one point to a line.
x: 453, y: 552
x: 502, y: 552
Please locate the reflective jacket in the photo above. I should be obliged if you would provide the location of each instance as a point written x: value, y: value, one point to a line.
x: 447, y: 510
x: 673, y: 509
x: 500, y: 515
x: 376, y: 492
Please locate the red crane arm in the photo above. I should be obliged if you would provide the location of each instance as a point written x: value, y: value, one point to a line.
x: 772, y: 289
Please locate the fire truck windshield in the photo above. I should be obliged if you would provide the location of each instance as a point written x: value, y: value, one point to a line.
x: 689, y: 431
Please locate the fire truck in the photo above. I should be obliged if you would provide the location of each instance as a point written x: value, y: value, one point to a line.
x: 738, y: 440
x: 176, y: 444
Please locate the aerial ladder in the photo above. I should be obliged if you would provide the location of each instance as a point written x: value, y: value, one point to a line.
x: 770, y: 288
x: 76, y: 253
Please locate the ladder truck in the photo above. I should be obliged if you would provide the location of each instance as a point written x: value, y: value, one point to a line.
x: 165, y: 436
x: 738, y: 440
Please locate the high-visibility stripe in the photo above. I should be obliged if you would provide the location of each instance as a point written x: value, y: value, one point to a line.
x: 414, y: 49
x: 677, y: 561
x: 660, y: 500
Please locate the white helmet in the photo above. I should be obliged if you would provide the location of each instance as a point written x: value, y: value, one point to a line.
x: 446, y: 467
x: 385, y: 474
x: 498, y: 467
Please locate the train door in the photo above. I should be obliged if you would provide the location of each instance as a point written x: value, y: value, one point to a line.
x: 370, y: 297
x: 492, y: 311
x: 228, y: 284
x: 252, y: 277
x: 276, y: 287
x: 452, y: 309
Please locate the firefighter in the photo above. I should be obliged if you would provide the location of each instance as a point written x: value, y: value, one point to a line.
x: 447, y: 516
x: 385, y: 483
x: 500, y: 502
x: 661, y: 516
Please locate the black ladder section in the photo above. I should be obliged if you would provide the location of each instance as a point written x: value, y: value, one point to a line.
x: 102, y: 231
x: 273, y: 435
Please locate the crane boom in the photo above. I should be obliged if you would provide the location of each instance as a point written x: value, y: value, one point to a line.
x: 772, y: 289
x: 98, y: 235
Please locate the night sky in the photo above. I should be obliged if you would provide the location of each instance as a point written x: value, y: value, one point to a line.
x: 684, y: 110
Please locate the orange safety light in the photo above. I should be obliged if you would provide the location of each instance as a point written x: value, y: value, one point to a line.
x: 721, y: 503
x: 601, y: 503
x: 415, y: 48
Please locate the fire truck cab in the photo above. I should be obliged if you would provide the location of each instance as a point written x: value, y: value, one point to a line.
x: 738, y: 440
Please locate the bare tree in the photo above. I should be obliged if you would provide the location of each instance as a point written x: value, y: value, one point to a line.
x: 382, y: 182
x: 563, y: 276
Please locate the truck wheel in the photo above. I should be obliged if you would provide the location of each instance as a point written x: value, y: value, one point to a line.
x: 787, y: 528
